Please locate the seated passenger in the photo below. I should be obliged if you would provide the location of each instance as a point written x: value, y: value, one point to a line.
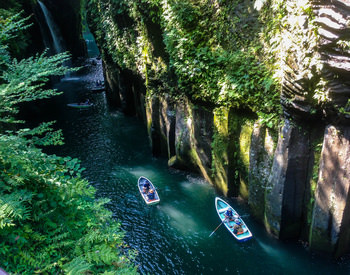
x: 146, y: 187
x: 237, y: 229
x: 151, y: 195
x: 229, y: 216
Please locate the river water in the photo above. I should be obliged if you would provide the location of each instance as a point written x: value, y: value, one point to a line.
x: 171, y: 237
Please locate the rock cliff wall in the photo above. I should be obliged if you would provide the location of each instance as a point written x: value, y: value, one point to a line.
x: 293, y: 175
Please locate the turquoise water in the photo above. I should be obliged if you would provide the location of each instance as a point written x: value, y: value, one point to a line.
x: 171, y: 237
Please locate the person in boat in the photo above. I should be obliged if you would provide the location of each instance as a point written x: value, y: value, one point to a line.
x: 151, y: 195
x: 230, y: 216
x: 146, y: 187
x: 237, y: 228
x: 86, y: 102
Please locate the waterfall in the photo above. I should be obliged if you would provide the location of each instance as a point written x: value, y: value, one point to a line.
x: 54, y: 30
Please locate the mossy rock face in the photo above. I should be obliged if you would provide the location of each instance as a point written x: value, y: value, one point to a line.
x: 112, y: 82
x: 193, y: 136
x: 230, y: 151
x: 244, y: 152
x: 167, y: 122
x: 220, y: 149
x: 154, y: 126
x: 183, y: 133
x: 260, y: 162
x: 202, y: 129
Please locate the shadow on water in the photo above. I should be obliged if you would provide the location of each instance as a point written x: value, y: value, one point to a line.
x: 171, y: 237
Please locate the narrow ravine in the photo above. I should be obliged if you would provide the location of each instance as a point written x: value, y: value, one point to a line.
x: 173, y: 236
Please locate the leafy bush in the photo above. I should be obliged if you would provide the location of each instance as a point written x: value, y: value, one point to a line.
x: 50, y: 221
x: 49, y: 218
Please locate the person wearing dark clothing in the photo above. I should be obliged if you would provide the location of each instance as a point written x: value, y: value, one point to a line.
x: 151, y: 195
x: 228, y: 215
x: 146, y: 187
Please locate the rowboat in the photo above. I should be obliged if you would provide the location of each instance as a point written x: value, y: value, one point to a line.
x: 98, y: 89
x: 80, y: 105
x: 242, y: 235
x: 140, y: 183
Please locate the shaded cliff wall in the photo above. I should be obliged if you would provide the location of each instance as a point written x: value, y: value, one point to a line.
x: 292, y: 187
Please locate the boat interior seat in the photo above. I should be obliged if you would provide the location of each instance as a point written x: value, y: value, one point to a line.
x: 223, y: 209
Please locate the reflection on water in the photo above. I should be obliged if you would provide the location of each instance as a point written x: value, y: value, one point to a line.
x: 172, y: 237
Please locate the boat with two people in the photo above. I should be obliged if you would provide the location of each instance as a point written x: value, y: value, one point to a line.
x: 232, y: 221
x: 148, y: 191
x: 81, y: 105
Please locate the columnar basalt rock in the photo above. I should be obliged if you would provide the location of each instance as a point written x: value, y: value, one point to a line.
x: 112, y: 83
x: 222, y: 150
x: 331, y: 221
x: 288, y: 181
x: 260, y: 163
x: 193, y: 137
x: 167, y: 125
x: 332, y: 19
x: 183, y: 132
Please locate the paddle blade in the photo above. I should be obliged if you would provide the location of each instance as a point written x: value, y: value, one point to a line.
x: 215, y: 229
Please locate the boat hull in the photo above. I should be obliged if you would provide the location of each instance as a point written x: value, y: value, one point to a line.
x: 221, y: 207
x: 98, y: 89
x: 79, y: 106
x: 140, y: 183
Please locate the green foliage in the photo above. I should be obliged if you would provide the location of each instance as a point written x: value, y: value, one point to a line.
x: 10, y: 18
x: 212, y: 51
x: 50, y: 221
x: 24, y: 80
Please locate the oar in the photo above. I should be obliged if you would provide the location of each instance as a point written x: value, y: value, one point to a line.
x: 216, y: 229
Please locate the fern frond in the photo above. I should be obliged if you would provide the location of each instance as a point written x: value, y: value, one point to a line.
x: 27, y: 258
x: 11, y: 209
x: 102, y: 254
x: 76, y: 266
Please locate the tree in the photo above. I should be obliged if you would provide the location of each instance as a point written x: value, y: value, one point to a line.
x: 50, y: 221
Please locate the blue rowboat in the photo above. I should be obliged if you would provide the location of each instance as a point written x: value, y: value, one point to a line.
x: 140, y: 183
x: 241, y: 235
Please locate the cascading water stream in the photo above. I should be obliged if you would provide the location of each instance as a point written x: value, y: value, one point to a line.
x: 54, y: 30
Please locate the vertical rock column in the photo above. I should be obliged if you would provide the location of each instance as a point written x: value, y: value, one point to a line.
x: 112, y: 82
x: 221, y: 149
x: 331, y: 218
x: 167, y: 126
x: 288, y: 182
x: 261, y: 157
